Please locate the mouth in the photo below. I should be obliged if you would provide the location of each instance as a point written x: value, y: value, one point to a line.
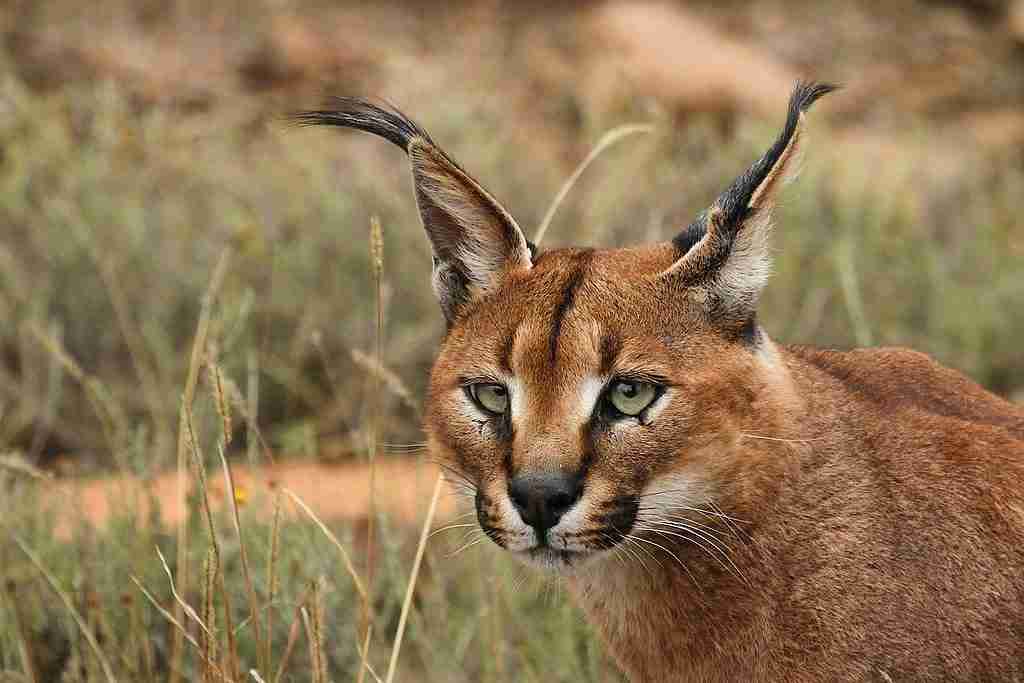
x: 552, y: 559
x: 562, y: 550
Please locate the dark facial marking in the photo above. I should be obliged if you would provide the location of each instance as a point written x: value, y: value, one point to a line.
x: 565, y: 305
x: 484, y: 517
x: 610, y: 348
x: 505, y: 352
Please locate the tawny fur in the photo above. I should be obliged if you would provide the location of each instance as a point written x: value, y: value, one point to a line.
x: 797, y: 514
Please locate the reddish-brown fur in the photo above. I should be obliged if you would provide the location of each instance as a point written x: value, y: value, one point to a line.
x: 777, y: 513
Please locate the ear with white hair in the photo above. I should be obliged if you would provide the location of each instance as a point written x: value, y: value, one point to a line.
x: 475, y: 241
x: 724, y: 255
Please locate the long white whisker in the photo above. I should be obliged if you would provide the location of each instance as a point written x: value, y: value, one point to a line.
x: 775, y: 438
x: 466, y: 546
x: 730, y: 567
x: 630, y: 538
x: 736, y: 530
x: 449, y: 528
x: 714, y: 542
x: 689, y: 508
x: 670, y: 554
x: 717, y: 533
x: 625, y: 545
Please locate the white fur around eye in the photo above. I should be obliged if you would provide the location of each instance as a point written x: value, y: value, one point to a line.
x: 516, y: 397
x: 589, y: 394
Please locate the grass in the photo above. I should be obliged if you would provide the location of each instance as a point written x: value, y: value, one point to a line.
x: 315, y: 337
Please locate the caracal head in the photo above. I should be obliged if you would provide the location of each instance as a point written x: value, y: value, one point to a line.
x: 583, y: 396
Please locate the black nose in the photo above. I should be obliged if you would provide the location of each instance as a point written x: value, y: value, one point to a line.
x: 543, y: 497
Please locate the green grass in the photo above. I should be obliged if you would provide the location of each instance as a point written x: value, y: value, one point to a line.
x: 115, y: 212
x: 475, y: 617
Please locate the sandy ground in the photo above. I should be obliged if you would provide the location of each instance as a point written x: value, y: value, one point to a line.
x: 333, y: 492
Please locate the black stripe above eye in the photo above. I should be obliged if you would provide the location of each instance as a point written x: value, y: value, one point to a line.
x: 565, y: 305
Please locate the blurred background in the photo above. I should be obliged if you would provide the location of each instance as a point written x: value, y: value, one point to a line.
x: 138, y: 139
x: 142, y: 143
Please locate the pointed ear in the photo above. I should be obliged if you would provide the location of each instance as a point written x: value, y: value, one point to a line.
x: 723, y: 255
x: 475, y: 241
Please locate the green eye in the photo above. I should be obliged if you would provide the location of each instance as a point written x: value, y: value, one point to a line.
x: 630, y: 397
x: 491, y: 397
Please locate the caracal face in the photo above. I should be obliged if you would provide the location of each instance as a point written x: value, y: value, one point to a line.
x: 579, y: 403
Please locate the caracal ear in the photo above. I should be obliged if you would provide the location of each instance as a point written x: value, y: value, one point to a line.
x: 724, y: 259
x: 475, y: 241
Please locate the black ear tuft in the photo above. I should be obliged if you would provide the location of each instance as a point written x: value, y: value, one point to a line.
x: 724, y: 253
x: 735, y: 202
x: 475, y: 241
x: 360, y: 114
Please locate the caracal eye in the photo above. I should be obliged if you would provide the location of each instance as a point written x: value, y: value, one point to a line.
x: 630, y: 397
x: 491, y: 397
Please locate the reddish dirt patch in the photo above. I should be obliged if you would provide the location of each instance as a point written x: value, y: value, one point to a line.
x: 333, y: 492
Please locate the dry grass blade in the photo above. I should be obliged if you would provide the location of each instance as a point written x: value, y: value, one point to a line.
x: 248, y: 407
x: 250, y: 589
x: 275, y: 541
x: 391, y: 381
x: 185, y: 607
x: 293, y: 637
x: 223, y: 407
x: 377, y: 256
x: 209, y: 613
x: 345, y: 558
x: 105, y: 408
x: 407, y: 603
x: 312, y: 619
x: 108, y: 673
x: 176, y: 624
x: 187, y: 398
x: 314, y: 652
x: 364, y: 655
x: 606, y: 141
x: 166, y: 614
x: 377, y: 248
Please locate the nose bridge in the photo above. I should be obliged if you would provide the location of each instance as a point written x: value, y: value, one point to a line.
x: 554, y: 360
x: 547, y: 440
x: 547, y: 449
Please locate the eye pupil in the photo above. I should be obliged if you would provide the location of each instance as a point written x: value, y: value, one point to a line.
x: 628, y: 389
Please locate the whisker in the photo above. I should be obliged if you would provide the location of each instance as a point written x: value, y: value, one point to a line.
x: 709, y: 536
x: 449, y: 528
x: 630, y: 538
x: 736, y: 530
x: 674, y: 557
x: 689, y: 508
x: 615, y: 548
x: 730, y: 567
x: 465, y: 547
x: 624, y: 547
x: 775, y: 438
x: 715, y: 534
x: 662, y: 493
